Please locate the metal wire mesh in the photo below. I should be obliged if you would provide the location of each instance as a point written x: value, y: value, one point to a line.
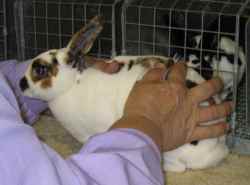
x: 50, y: 24
x: 157, y: 17
x: 3, y: 31
x: 167, y: 27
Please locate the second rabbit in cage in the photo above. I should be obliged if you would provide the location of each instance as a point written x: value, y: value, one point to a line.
x: 89, y: 102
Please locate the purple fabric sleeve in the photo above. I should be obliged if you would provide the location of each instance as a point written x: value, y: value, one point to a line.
x: 13, y: 72
x: 122, y: 156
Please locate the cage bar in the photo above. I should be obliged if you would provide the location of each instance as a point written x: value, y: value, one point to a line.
x: 3, y: 31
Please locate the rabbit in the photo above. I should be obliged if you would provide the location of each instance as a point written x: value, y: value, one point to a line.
x: 87, y: 101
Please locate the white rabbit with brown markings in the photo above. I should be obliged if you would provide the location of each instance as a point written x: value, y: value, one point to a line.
x: 89, y: 102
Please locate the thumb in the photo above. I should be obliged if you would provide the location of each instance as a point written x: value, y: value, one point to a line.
x: 154, y: 75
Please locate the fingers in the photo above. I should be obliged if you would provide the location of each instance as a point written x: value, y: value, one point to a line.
x: 215, y: 112
x: 103, y: 65
x: 109, y: 67
x: 178, y: 73
x: 155, y: 74
x: 206, y: 90
x: 211, y: 131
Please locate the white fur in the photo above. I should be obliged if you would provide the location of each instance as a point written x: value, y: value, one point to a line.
x: 93, y: 101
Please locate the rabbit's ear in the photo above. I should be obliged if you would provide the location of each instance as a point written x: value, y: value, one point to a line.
x: 83, y: 40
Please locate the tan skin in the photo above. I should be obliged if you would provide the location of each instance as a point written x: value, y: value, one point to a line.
x: 100, y: 63
x: 169, y: 112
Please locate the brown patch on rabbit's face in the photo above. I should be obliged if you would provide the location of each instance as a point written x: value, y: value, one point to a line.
x: 42, y: 71
x: 46, y: 83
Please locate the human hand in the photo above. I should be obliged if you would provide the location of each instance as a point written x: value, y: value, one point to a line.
x: 174, y: 109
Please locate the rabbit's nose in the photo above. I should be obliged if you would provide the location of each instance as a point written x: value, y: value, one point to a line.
x: 24, y: 84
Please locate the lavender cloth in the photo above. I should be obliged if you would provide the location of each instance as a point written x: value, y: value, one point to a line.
x: 119, y: 157
x: 13, y: 72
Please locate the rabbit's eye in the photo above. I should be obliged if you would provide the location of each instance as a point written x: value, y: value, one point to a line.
x: 41, y: 71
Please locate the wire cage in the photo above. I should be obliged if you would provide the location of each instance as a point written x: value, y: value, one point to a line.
x: 138, y: 27
x: 167, y: 27
x: 3, y: 31
x: 47, y: 24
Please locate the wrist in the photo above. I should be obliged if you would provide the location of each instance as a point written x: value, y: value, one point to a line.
x: 143, y: 125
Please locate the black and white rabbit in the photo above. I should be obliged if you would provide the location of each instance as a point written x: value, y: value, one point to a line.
x: 214, y: 52
x: 90, y: 101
